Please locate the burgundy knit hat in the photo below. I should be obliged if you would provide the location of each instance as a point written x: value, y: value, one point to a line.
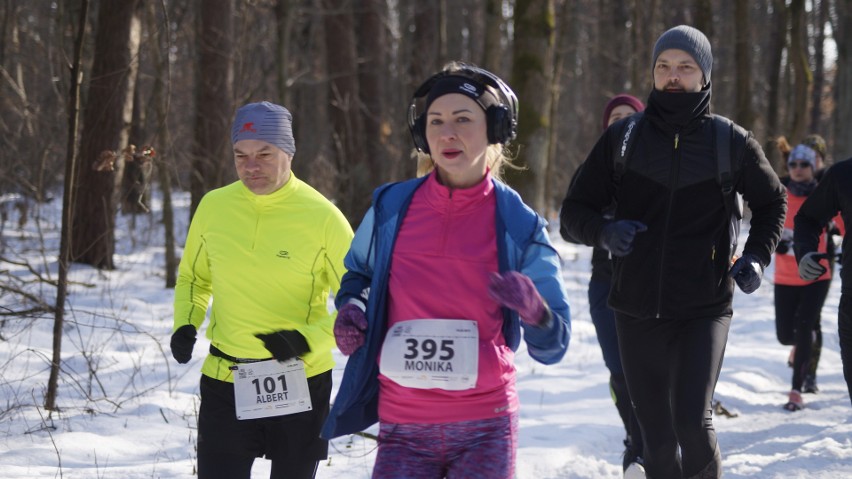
x: 622, y: 99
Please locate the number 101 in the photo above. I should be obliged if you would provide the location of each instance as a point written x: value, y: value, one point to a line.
x: 269, y: 384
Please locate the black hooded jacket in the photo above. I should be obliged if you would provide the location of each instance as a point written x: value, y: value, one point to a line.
x: 832, y: 194
x: 678, y: 267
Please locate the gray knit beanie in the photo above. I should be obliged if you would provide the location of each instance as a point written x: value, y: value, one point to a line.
x: 267, y: 122
x: 690, y: 40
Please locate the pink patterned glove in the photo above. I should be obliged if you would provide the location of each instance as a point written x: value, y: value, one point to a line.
x: 349, y: 328
x: 517, y: 291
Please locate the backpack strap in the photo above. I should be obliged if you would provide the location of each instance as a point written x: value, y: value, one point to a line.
x: 622, y: 150
x: 728, y: 150
x: 723, y: 152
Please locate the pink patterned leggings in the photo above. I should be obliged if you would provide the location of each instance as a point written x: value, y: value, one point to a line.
x: 483, y: 448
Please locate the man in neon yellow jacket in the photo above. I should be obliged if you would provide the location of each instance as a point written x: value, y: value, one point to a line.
x: 269, y: 250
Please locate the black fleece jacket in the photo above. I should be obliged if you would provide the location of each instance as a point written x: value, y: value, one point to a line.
x: 678, y: 267
x: 832, y: 194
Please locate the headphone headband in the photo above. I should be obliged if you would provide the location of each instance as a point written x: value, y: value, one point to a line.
x: 501, y: 119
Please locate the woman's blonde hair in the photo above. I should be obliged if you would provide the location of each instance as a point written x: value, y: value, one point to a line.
x: 497, y: 158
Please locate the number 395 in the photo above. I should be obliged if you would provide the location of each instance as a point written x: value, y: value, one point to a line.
x: 429, y: 348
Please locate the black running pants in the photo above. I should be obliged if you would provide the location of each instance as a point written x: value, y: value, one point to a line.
x: 671, y: 367
x: 844, y: 327
x: 797, y: 314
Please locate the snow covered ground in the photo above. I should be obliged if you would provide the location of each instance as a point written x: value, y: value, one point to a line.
x: 129, y: 411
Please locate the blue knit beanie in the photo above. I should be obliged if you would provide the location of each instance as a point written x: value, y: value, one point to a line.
x: 690, y: 40
x: 267, y: 122
x: 803, y: 153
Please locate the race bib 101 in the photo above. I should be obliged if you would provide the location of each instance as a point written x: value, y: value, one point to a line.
x: 432, y: 353
x: 270, y: 388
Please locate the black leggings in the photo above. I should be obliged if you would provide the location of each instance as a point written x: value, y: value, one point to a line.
x: 227, y: 447
x: 797, y: 315
x: 604, y: 320
x: 230, y: 466
x: 671, y: 367
x: 844, y: 329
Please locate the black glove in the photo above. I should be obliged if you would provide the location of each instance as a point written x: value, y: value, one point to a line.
x: 747, y: 272
x: 783, y: 246
x: 617, y: 237
x: 183, y: 340
x: 809, y: 267
x: 285, y: 344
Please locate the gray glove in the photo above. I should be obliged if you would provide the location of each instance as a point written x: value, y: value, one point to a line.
x: 809, y: 267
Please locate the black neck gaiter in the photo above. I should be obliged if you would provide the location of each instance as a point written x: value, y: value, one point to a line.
x: 678, y: 109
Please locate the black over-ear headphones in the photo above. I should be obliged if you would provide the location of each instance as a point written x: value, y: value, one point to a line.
x: 501, y: 119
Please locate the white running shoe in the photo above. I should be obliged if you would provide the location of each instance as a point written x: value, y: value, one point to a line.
x: 634, y: 471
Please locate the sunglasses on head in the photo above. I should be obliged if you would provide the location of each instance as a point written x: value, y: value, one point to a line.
x: 798, y: 164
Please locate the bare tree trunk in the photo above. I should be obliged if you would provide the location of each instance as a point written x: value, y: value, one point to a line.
x: 352, y: 174
x: 801, y: 70
x: 820, y: 16
x: 10, y: 12
x: 452, y: 28
x: 744, y: 111
x: 443, y: 52
x: 425, y: 42
x: 67, y: 202
x: 476, y: 28
x: 106, y: 123
x: 372, y: 74
x: 532, y: 78
x: 212, y: 156
x: 314, y: 162
x: 725, y: 79
x: 554, y: 187
x: 843, y: 91
x: 284, y: 24
x: 646, y: 14
x: 613, y: 21
x: 676, y: 13
x: 777, y: 34
x: 493, y: 48
x: 160, y: 98
x: 704, y: 17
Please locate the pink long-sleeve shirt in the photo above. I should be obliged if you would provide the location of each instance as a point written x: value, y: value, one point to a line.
x: 444, y: 254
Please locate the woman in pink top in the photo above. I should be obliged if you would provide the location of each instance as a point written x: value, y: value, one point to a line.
x: 444, y: 273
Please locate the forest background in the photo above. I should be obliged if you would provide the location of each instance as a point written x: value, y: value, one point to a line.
x: 102, y: 101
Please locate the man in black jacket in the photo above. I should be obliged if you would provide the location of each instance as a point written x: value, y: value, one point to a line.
x: 673, y: 248
x: 832, y: 194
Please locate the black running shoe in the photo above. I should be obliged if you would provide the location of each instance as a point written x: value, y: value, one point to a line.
x: 809, y: 385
